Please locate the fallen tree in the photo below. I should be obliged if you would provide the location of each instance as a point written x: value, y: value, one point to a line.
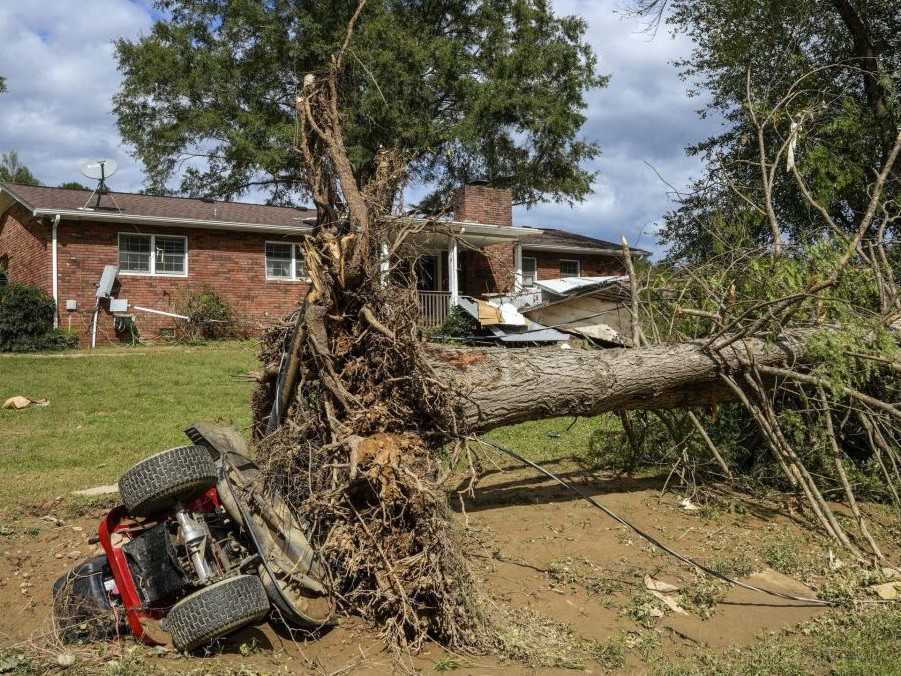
x: 354, y: 413
x: 496, y: 387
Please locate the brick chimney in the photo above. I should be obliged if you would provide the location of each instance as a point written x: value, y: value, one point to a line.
x: 480, y: 203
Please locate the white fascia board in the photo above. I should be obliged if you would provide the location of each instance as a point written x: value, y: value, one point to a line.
x: 165, y: 221
x: 572, y: 249
x: 462, y: 228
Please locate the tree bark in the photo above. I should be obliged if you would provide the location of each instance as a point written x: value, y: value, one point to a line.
x: 499, y: 387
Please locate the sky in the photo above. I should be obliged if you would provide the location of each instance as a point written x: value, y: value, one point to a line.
x: 58, y: 59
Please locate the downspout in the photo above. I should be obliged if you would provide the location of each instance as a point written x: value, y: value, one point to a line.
x: 54, y: 269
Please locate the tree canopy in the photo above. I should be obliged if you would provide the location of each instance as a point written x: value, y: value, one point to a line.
x: 13, y: 171
x: 2, y: 84
x: 467, y: 90
x: 839, y: 62
x: 73, y: 185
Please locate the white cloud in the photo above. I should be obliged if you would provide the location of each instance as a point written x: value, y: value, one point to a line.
x: 58, y: 58
x: 643, y: 116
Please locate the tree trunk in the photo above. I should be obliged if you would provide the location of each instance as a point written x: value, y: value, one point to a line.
x: 504, y: 386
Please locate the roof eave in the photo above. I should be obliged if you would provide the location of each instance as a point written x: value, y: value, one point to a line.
x: 485, y: 229
x: 16, y: 198
x: 559, y: 248
x: 168, y: 221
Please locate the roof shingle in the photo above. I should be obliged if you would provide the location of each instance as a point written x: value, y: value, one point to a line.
x: 556, y: 237
x: 133, y: 204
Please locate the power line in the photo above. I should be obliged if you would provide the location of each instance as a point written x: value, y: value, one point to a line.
x: 646, y: 536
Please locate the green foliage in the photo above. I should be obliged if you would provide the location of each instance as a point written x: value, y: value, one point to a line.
x: 13, y: 171
x: 2, y: 84
x: 73, y: 185
x: 211, y: 317
x: 459, y: 324
x: 26, y: 321
x: 741, y: 287
x: 465, y: 90
x: 848, y: 75
x: 852, y: 643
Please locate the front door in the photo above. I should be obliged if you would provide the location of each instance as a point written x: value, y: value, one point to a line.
x: 427, y: 273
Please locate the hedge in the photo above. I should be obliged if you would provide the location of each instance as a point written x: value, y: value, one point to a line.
x: 26, y: 321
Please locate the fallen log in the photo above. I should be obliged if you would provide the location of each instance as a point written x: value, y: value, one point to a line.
x: 499, y: 386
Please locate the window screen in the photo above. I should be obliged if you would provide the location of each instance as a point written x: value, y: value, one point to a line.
x: 170, y: 255
x: 279, y: 260
x: 285, y: 261
x: 529, y: 271
x: 569, y: 269
x: 134, y: 253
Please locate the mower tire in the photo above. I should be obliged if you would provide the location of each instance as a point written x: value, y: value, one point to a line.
x: 161, y: 480
x: 216, y: 610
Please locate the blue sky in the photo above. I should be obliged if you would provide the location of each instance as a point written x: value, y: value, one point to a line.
x: 61, y: 73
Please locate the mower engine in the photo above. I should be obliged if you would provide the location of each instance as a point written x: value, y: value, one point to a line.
x: 195, y: 551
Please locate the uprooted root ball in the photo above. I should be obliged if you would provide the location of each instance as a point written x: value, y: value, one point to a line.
x: 366, y: 486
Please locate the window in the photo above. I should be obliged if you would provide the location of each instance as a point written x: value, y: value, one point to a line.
x: 285, y: 261
x: 153, y: 255
x: 569, y: 268
x: 529, y: 271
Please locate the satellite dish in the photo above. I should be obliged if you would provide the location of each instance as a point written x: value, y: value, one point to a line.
x: 99, y: 170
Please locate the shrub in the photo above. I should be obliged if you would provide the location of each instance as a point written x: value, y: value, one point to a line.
x: 26, y: 321
x: 211, y: 317
x: 459, y: 324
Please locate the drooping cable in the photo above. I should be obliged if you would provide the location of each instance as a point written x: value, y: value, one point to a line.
x: 647, y: 536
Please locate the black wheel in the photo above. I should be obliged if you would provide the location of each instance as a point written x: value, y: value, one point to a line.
x: 216, y: 610
x: 162, y: 479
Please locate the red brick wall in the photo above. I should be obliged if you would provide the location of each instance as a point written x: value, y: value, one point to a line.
x: 590, y: 265
x: 231, y: 263
x: 491, y: 269
x: 483, y: 204
x: 25, y: 245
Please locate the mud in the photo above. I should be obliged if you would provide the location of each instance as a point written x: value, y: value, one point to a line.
x: 534, y: 548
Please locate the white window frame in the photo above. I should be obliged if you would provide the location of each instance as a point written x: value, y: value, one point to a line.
x: 570, y: 260
x: 524, y: 259
x: 294, y: 258
x: 153, y: 272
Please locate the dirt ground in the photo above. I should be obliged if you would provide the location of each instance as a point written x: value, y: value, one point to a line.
x: 560, y: 575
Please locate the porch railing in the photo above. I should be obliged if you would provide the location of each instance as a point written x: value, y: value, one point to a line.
x: 433, y: 308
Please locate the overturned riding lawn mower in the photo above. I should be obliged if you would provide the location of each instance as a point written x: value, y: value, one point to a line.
x: 197, y: 550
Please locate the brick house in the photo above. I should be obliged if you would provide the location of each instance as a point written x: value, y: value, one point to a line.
x: 249, y: 253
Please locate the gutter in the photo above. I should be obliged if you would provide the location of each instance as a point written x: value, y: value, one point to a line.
x: 561, y: 248
x: 461, y: 228
x: 119, y: 217
x: 54, y: 268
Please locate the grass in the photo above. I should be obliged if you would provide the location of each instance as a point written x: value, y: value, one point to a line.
x: 108, y: 410
x: 112, y: 407
x: 846, y: 644
x: 554, y: 438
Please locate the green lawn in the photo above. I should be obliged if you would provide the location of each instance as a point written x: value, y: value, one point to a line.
x: 108, y: 410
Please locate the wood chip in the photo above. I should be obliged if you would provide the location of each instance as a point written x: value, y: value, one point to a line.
x: 669, y: 602
x: 659, y: 585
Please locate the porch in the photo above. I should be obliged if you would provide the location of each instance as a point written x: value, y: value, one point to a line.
x: 471, y: 266
x: 434, y: 307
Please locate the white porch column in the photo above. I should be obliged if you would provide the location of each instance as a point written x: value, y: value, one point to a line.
x: 517, y: 264
x: 452, y: 281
